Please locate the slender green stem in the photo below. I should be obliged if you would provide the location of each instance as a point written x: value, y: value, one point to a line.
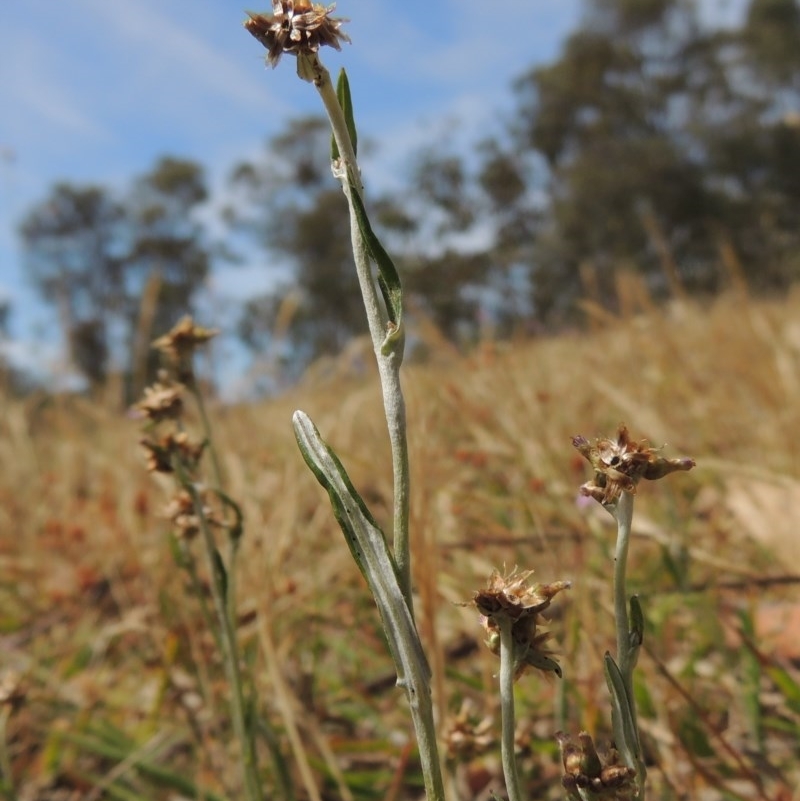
x: 377, y: 318
x: 230, y: 650
x: 507, y: 710
x: 197, y: 588
x: 624, y: 517
x: 371, y: 553
x: 625, y: 650
x: 216, y: 469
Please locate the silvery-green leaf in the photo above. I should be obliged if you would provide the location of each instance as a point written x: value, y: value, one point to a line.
x: 636, y: 633
x: 388, y: 277
x: 369, y: 549
x: 346, y: 102
x: 625, y: 736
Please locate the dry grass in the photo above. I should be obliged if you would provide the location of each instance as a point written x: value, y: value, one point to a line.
x: 123, y: 696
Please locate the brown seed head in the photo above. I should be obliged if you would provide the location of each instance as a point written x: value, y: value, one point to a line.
x: 162, y: 450
x: 296, y: 26
x: 182, y: 341
x: 585, y: 771
x: 513, y: 598
x: 181, y: 510
x: 468, y: 734
x: 161, y: 401
x: 619, y: 464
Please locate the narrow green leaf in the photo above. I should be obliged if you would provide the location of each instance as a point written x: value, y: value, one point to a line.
x: 220, y: 573
x: 751, y: 682
x: 388, y: 277
x: 787, y: 686
x: 179, y: 555
x: 541, y: 662
x: 622, y: 721
x: 115, y: 790
x: 369, y: 549
x: 144, y: 765
x: 694, y: 738
x: 346, y: 102
x: 637, y: 621
x: 636, y: 631
x: 236, y: 529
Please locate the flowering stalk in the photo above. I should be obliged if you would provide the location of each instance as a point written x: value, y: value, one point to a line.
x: 507, y: 724
x: 374, y: 559
x: 301, y: 28
x: 223, y: 603
x: 386, y: 333
x: 511, y: 611
x: 628, y: 639
x: 175, y: 453
x: 619, y: 465
x: 623, y: 514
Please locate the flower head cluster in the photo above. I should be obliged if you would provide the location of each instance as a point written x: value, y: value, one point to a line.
x: 296, y: 26
x: 162, y: 401
x: 513, y: 598
x: 182, y: 511
x: 160, y: 451
x: 168, y: 445
x: 620, y: 463
x: 587, y: 776
x: 468, y: 733
x: 178, y: 344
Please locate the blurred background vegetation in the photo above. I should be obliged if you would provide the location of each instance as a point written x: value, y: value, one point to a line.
x: 654, y: 145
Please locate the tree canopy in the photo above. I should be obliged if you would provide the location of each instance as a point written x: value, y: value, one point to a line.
x: 118, y: 266
x: 654, y: 143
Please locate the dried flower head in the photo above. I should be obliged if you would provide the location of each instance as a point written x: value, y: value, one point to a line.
x: 468, y: 734
x: 181, y: 342
x: 513, y: 598
x: 586, y: 775
x: 174, y: 445
x: 619, y: 464
x: 161, y: 401
x: 296, y: 26
x: 183, y: 513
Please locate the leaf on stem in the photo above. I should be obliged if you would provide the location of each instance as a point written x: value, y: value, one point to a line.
x: 346, y: 102
x: 636, y: 632
x: 388, y: 277
x: 623, y: 724
x: 369, y: 549
x: 235, y: 529
x: 220, y: 573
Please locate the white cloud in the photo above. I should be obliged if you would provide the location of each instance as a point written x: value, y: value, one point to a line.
x: 41, y: 99
x: 461, y: 41
x: 174, y: 55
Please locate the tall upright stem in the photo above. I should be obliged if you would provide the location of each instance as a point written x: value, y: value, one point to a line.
x: 507, y: 709
x: 624, y: 516
x: 625, y: 648
x: 377, y: 319
x: 230, y: 649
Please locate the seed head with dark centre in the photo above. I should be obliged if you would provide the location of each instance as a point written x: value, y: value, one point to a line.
x: 296, y: 26
x: 513, y: 598
x: 619, y: 464
x: 586, y: 775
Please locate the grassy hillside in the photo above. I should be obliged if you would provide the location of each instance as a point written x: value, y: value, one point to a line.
x: 118, y: 685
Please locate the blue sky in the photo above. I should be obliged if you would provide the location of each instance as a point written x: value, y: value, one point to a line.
x: 97, y: 90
